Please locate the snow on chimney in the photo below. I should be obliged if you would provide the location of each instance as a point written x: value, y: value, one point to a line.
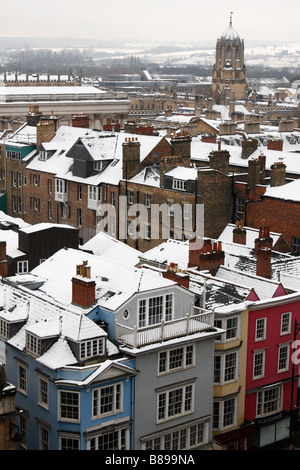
x: 239, y: 233
x: 177, y: 275
x: 83, y: 287
x: 210, y: 257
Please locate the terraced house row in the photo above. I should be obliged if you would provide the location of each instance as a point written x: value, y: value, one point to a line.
x: 90, y: 339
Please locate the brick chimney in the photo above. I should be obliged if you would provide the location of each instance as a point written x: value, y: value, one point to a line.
x: 83, y: 287
x: 210, y: 257
x: 263, y: 262
x: 263, y: 251
x: 81, y: 120
x: 210, y: 138
x: 253, y: 173
x: 278, y: 171
x: 264, y: 239
x: 45, y: 131
x: 34, y: 116
x: 239, y: 234
x: 275, y: 144
x: 131, y: 157
x: 248, y: 147
x: 219, y: 160
x: 181, y: 145
x: 3, y: 260
x: 177, y: 275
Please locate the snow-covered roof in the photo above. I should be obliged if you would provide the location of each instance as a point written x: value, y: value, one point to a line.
x: 232, y: 143
x: 49, y: 90
x: 183, y: 173
x: 230, y: 34
x: 101, y: 146
x: 170, y: 251
x: 251, y: 235
x: 115, y: 282
x: 108, y: 247
x: 46, y: 226
x: 149, y: 176
x: 47, y: 320
x: 289, y: 191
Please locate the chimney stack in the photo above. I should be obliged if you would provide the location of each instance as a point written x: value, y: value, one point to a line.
x: 81, y: 120
x: 239, y: 233
x: 263, y: 262
x: 181, y: 145
x: 278, y: 171
x: 263, y: 251
x: 177, y: 275
x: 83, y: 287
x: 3, y: 260
x: 131, y: 157
x: 208, y: 258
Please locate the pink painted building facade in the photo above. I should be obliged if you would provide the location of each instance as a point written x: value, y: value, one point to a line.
x: 270, y: 372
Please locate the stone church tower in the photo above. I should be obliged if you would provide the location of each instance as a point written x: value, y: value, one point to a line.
x: 229, y: 72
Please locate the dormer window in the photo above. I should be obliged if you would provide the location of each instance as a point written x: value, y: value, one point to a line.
x: 33, y: 344
x: 179, y: 185
x: 98, y: 165
x: 92, y: 348
x: 43, y: 155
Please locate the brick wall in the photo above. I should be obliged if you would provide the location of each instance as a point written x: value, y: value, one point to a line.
x: 280, y: 215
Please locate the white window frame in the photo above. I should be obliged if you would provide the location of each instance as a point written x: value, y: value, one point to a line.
x: 285, y: 326
x: 70, y: 438
x: 148, y: 200
x: 240, y: 205
x: 193, y: 434
x: 167, y: 312
x: 4, y: 328
x: 94, y: 193
x: 22, y: 267
x: 92, y: 348
x: 116, y: 403
x: 60, y: 416
x: 165, y: 359
x: 44, y: 437
x: 261, y: 401
x: 262, y: 354
x: 283, y: 347
x: 61, y: 186
x: 14, y: 203
x: 121, y: 433
x: 113, y: 198
x: 130, y: 197
x: 187, y: 392
x: 264, y: 329
x: 224, y: 370
x: 147, y: 232
x: 43, y: 392
x: 221, y: 404
x: 98, y: 165
x: 222, y: 323
x: 22, y: 378
x: 179, y: 185
x: 33, y: 344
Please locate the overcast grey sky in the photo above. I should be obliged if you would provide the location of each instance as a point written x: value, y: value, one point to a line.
x: 159, y: 20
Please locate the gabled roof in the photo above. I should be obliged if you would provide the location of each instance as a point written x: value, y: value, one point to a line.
x: 115, y: 282
x: 108, y: 370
